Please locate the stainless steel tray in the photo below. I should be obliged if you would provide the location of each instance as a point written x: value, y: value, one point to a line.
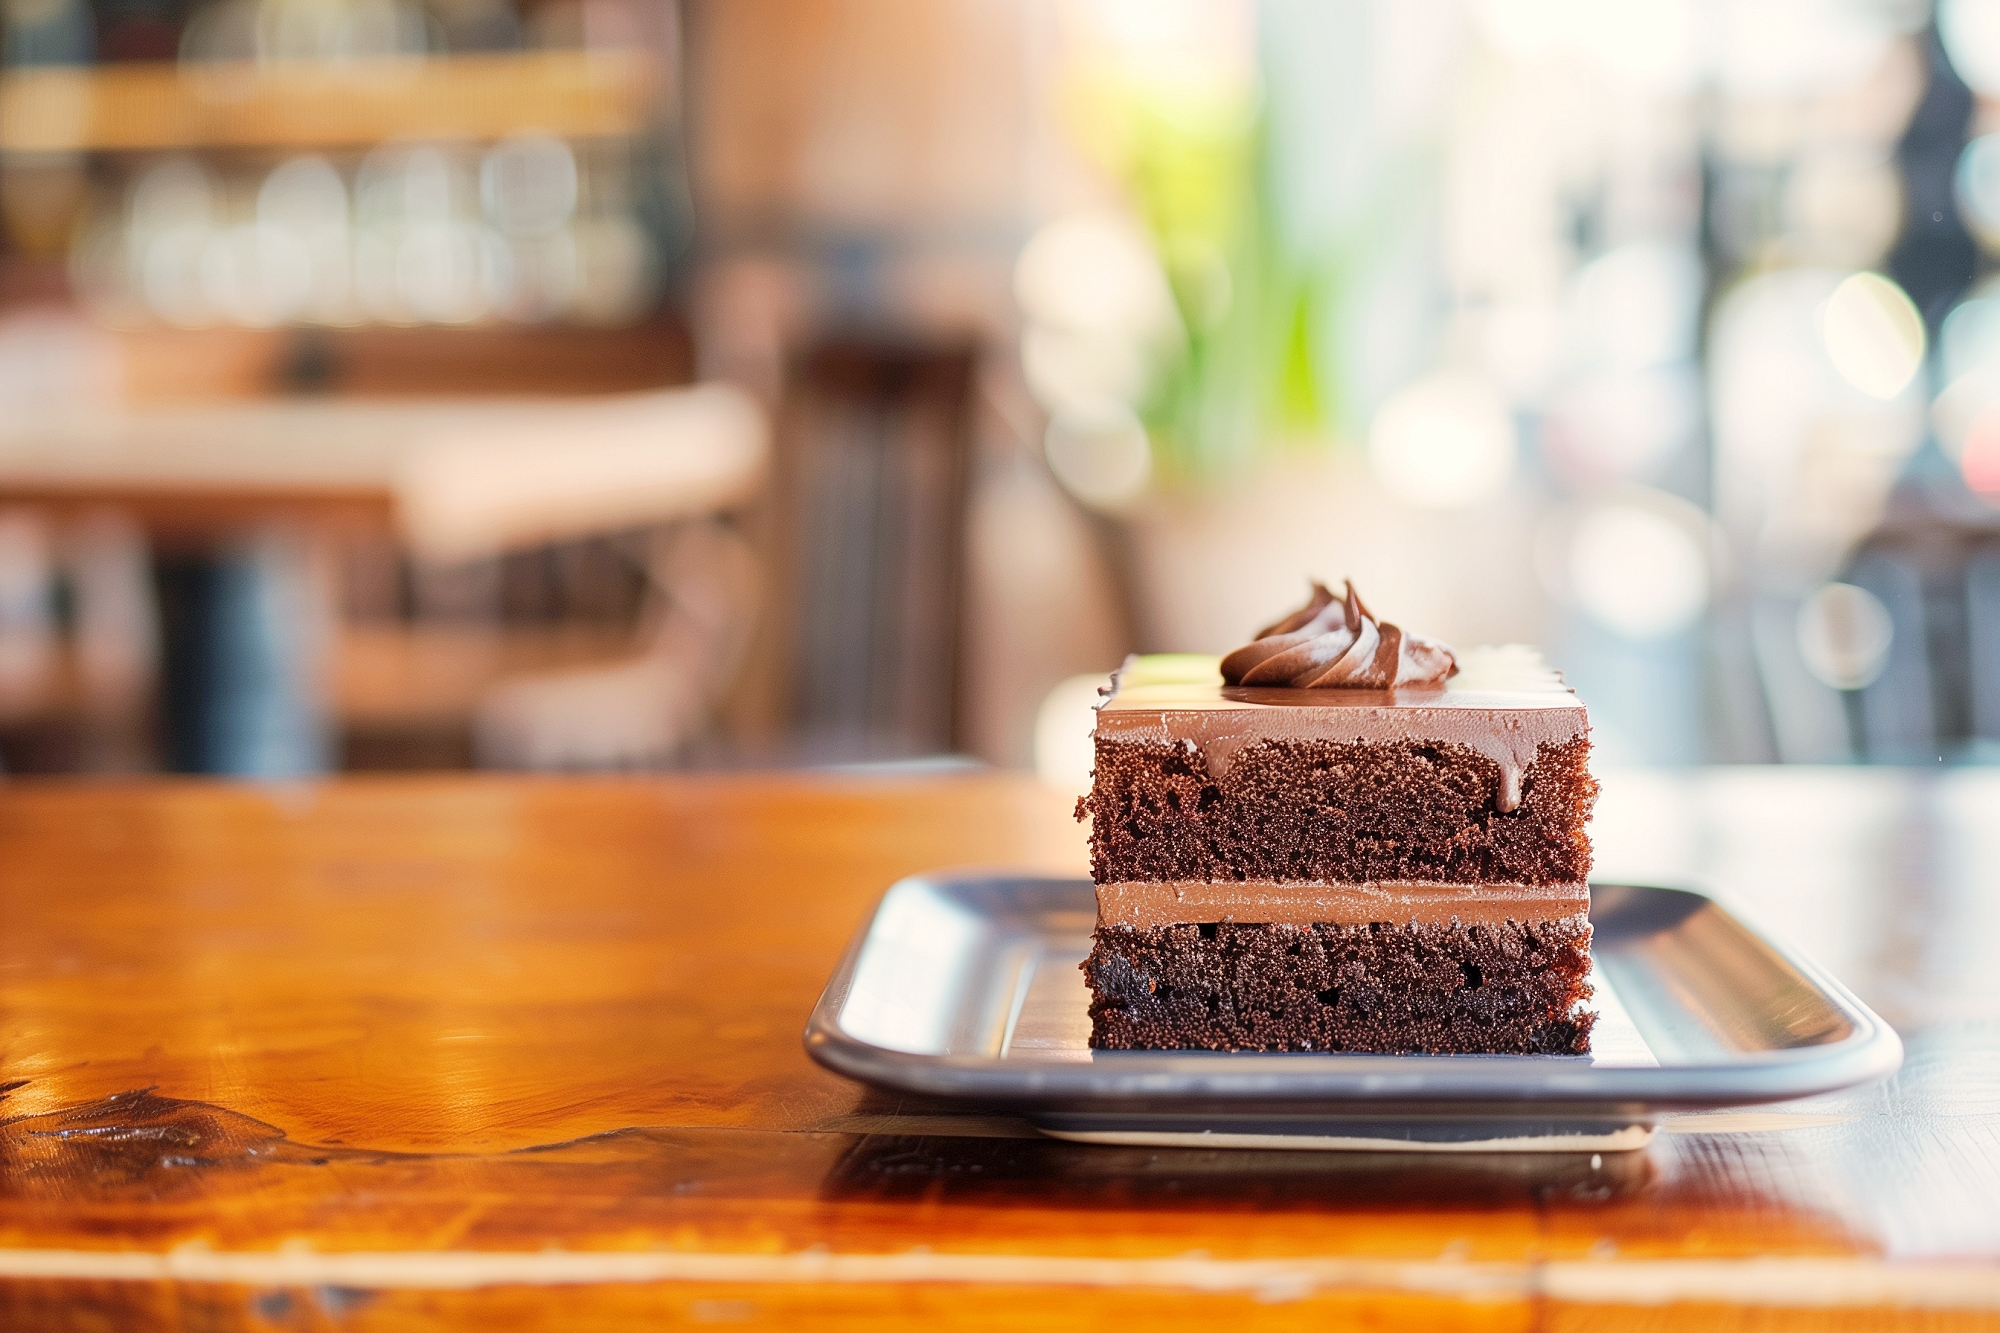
x: 964, y: 985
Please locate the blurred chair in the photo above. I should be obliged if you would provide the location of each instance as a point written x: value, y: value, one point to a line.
x: 645, y: 710
x: 867, y: 548
x: 656, y: 475
x: 1938, y: 692
x: 1982, y: 604
x: 78, y: 643
x: 246, y: 633
x: 27, y: 606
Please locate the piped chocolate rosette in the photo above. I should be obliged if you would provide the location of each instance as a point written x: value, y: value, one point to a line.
x: 1334, y: 642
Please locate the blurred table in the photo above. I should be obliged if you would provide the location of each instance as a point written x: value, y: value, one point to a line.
x: 459, y: 477
x: 489, y: 1052
x: 255, y: 510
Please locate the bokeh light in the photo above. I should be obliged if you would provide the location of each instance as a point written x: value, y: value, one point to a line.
x: 1963, y: 413
x: 1099, y: 318
x: 1802, y: 457
x: 1844, y: 635
x: 1094, y: 271
x: 1873, y: 334
x: 1065, y: 751
x: 1979, y: 453
x: 1637, y: 306
x: 1444, y: 442
x: 428, y: 233
x: 528, y: 184
x: 1777, y: 48
x: 1655, y: 45
x: 1970, y: 31
x: 1978, y: 186
x: 256, y: 274
x: 1638, y: 569
x: 1843, y: 204
x: 1622, y: 425
x: 1098, y: 450
x: 1066, y: 366
x: 305, y: 199
x: 1970, y: 337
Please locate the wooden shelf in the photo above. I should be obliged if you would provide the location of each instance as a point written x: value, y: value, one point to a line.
x: 303, y: 104
x: 164, y: 365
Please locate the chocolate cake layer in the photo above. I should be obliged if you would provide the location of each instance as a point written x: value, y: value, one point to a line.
x: 1336, y: 812
x: 1303, y: 904
x: 1513, y: 989
x: 1352, y: 868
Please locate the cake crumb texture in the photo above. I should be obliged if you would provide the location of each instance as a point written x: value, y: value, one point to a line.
x: 1510, y: 989
x: 1321, y: 810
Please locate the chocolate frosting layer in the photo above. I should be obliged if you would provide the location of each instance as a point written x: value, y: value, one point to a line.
x: 1180, y: 902
x: 1334, y: 643
x: 1505, y: 705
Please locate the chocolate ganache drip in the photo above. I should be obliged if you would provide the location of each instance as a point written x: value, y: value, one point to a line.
x: 1333, y: 642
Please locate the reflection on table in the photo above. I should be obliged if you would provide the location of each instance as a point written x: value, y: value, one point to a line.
x: 489, y: 1049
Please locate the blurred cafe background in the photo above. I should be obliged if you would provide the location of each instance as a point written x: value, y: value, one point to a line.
x: 598, y: 384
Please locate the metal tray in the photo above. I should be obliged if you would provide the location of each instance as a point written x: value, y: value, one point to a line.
x: 964, y: 985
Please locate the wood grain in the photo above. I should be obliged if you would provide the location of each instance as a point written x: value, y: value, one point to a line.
x: 390, y: 1054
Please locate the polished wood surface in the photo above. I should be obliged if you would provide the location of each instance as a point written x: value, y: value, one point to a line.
x: 494, y: 1053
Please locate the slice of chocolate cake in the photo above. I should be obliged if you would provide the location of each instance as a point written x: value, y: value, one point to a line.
x: 1341, y: 837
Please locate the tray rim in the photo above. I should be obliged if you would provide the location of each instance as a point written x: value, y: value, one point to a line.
x: 1238, y: 1084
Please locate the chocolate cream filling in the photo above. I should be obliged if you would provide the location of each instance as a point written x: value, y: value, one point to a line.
x: 1181, y: 902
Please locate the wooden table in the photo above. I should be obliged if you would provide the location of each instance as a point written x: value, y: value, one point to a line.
x: 495, y: 1052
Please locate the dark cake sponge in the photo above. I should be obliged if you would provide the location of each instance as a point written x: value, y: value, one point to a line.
x: 1509, y: 989
x: 1319, y: 810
